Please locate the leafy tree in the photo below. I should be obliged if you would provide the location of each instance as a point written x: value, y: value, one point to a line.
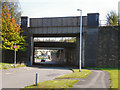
x: 73, y: 39
x: 36, y: 52
x: 11, y: 32
x: 112, y: 18
x: 14, y: 8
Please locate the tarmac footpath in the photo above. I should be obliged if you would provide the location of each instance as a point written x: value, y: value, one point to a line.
x: 99, y: 80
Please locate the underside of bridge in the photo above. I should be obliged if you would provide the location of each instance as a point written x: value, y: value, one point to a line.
x: 62, y: 50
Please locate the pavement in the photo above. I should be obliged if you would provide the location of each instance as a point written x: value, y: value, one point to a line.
x: 25, y: 76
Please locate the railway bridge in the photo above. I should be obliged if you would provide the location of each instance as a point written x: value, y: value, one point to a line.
x: 61, y: 27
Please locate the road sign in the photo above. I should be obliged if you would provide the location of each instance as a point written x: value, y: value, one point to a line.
x: 15, y: 46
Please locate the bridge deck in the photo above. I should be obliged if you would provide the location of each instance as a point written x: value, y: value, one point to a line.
x: 54, y: 44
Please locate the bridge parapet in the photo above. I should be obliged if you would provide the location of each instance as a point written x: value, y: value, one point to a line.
x: 58, y: 22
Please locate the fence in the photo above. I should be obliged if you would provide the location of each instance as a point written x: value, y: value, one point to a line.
x: 102, y: 22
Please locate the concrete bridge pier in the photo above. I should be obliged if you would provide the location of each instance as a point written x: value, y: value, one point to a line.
x: 32, y: 50
x: 71, y: 56
x: 78, y: 50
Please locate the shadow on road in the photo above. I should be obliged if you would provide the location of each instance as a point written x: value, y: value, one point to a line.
x: 53, y: 66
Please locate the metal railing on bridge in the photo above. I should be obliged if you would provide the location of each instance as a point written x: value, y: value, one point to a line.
x: 102, y: 22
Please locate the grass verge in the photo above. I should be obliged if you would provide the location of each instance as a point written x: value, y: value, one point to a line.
x: 113, y: 78
x: 55, y: 84
x: 76, y: 74
x: 10, y: 65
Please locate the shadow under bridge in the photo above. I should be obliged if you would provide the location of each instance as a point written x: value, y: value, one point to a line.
x: 61, y: 53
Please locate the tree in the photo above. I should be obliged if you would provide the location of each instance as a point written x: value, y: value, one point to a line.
x: 112, y: 18
x: 14, y: 8
x: 11, y: 32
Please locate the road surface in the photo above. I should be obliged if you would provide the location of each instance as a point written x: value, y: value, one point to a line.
x: 25, y: 76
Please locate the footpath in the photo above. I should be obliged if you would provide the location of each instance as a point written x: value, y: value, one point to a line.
x: 99, y: 80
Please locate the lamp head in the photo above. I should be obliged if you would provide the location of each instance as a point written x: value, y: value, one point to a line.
x: 79, y: 10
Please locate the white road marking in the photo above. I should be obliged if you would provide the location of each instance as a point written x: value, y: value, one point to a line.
x: 8, y: 73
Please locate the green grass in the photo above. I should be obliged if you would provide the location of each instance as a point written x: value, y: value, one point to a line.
x: 113, y: 77
x: 10, y: 65
x: 76, y: 74
x: 55, y: 84
x: 39, y: 57
x: 114, y: 72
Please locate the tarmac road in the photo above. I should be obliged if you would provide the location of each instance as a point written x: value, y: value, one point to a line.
x: 25, y: 76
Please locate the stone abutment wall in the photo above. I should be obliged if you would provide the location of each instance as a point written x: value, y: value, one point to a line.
x: 107, y: 47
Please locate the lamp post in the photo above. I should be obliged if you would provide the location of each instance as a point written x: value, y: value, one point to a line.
x: 80, y: 57
x: 15, y: 55
x: 119, y: 13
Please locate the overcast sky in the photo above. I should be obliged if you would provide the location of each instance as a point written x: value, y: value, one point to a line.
x: 60, y: 8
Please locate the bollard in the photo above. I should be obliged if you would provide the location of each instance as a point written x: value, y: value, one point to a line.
x: 36, y: 79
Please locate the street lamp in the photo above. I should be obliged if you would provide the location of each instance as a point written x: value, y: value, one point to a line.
x: 80, y: 57
x: 15, y: 55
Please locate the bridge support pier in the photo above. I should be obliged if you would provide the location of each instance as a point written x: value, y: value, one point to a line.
x: 32, y: 50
